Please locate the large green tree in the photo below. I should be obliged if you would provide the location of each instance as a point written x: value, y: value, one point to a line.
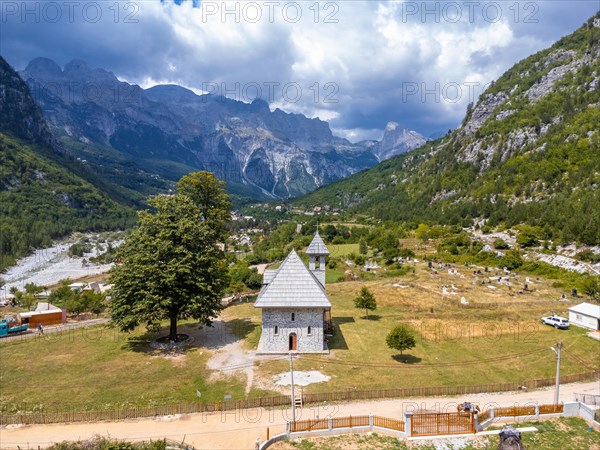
x: 209, y: 194
x: 171, y: 268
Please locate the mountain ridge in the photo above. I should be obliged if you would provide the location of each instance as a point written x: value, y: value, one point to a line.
x: 44, y: 193
x: 168, y: 130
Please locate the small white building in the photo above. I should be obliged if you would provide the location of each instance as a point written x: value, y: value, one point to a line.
x: 296, y: 311
x: 585, y: 315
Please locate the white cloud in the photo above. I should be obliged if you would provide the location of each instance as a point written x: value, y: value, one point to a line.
x: 371, y: 55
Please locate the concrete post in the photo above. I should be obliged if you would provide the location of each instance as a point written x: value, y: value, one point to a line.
x: 287, y: 429
x: 371, y: 420
x: 537, y: 410
x: 330, y: 423
x: 407, y: 423
x: 492, y: 414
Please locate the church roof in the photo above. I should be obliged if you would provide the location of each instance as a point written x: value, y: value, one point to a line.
x: 293, y: 286
x: 317, y: 246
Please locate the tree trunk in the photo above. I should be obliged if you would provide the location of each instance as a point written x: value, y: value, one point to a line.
x: 173, y: 329
x: 367, y: 312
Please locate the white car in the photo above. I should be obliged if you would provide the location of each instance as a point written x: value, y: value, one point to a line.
x: 556, y: 322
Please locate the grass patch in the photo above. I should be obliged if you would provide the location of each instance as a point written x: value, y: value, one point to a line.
x: 342, y: 250
x: 102, y: 443
x: 333, y: 276
x: 100, y: 368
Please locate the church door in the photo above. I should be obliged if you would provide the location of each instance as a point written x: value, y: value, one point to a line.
x: 293, y: 342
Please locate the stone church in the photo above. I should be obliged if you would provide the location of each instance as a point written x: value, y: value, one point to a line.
x: 296, y: 311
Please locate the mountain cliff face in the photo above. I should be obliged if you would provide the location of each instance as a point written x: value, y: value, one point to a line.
x: 396, y: 141
x: 527, y: 152
x: 44, y: 194
x: 167, y: 130
x: 19, y: 114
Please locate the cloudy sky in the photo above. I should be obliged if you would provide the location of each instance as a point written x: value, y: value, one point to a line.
x: 357, y: 64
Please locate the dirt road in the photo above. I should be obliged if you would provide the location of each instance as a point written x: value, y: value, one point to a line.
x: 239, y: 429
x: 64, y: 328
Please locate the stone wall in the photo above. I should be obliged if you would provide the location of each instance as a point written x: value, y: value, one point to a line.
x: 272, y: 342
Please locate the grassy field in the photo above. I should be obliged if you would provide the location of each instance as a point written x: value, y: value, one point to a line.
x: 100, y: 368
x: 496, y: 338
x: 565, y: 433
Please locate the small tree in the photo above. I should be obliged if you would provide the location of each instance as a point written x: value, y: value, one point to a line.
x: 64, y: 296
x: 92, y: 302
x: 365, y: 300
x: 591, y: 287
x: 362, y: 247
x: 401, y: 338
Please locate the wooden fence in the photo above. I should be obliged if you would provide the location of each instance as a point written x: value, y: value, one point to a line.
x: 519, y: 411
x: 345, y: 422
x: 436, y: 424
x: 484, y: 415
x: 551, y: 409
x: 350, y: 421
x: 385, y: 422
x: 309, y: 425
x: 73, y: 415
x: 515, y: 411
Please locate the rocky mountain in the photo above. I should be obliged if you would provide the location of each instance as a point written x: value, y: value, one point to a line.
x: 396, y: 141
x: 527, y: 152
x: 158, y: 134
x: 44, y: 194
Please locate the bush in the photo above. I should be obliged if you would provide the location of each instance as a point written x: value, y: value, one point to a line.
x: 500, y: 244
x: 80, y: 248
x: 588, y: 256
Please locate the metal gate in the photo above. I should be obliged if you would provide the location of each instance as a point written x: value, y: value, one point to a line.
x: 433, y: 424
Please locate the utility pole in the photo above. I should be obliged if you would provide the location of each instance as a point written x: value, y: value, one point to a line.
x: 557, y: 351
x: 293, y: 395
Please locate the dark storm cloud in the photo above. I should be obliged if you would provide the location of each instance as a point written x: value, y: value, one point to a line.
x: 358, y: 64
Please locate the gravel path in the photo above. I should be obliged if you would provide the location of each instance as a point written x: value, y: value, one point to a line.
x: 230, y: 355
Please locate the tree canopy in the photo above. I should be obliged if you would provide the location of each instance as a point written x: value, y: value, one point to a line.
x: 365, y: 300
x: 401, y: 338
x: 209, y: 194
x: 171, y: 268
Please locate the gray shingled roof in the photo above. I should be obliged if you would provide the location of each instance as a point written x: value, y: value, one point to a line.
x: 317, y: 246
x: 293, y: 286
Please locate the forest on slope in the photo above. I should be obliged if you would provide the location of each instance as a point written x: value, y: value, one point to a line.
x: 527, y: 153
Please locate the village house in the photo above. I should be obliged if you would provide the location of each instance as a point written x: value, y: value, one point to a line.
x: 585, y: 315
x: 296, y: 311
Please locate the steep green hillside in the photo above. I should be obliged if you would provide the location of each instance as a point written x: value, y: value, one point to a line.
x: 527, y: 152
x: 41, y: 200
x: 44, y: 194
